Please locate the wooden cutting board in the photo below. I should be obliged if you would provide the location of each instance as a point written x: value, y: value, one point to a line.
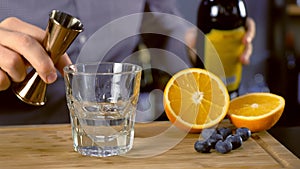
x: 157, y: 145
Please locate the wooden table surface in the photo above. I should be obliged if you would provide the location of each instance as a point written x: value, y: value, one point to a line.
x: 156, y: 145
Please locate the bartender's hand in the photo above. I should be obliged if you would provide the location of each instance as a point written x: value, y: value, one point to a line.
x: 247, y: 40
x: 20, y: 48
x: 191, y: 38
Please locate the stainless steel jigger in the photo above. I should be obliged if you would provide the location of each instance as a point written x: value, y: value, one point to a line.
x: 61, y: 31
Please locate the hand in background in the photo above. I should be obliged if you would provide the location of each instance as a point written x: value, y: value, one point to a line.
x: 247, y: 40
x: 20, y: 48
x: 191, y: 39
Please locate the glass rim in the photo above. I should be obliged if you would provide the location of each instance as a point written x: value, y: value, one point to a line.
x: 71, y: 69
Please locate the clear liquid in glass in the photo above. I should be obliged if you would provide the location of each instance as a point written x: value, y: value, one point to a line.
x: 102, y: 129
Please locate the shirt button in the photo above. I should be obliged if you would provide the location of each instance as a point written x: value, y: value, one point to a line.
x: 82, y: 39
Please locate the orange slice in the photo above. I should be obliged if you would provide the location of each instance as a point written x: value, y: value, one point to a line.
x: 256, y: 111
x: 195, y: 99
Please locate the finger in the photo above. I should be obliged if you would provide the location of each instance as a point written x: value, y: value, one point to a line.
x: 251, y: 30
x: 32, y: 50
x: 13, y: 64
x: 15, y: 24
x: 18, y: 25
x: 63, y: 61
x: 191, y: 38
x: 245, y: 57
x: 4, y: 81
x: 247, y: 41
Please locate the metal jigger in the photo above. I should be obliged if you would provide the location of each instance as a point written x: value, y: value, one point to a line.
x: 61, y: 31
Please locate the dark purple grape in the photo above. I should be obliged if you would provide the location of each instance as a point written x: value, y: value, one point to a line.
x: 244, y: 132
x: 202, y: 146
x: 223, y: 146
x: 207, y: 133
x: 225, y: 131
x: 236, y: 141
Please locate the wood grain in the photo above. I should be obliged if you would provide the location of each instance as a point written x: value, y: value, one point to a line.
x: 157, y: 145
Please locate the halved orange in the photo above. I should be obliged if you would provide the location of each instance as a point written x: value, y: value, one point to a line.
x: 256, y: 111
x: 195, y: 99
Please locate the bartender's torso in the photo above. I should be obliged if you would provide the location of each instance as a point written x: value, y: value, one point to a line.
x: 94, y: 14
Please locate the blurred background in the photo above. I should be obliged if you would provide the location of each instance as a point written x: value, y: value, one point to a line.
x: 275, y: 62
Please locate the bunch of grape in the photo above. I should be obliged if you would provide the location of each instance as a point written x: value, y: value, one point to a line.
x: 222, y: 139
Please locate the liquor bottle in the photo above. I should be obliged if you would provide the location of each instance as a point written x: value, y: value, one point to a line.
x: 223, y: 23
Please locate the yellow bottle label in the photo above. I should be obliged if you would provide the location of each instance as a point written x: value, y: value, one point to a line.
x: 228, y: 45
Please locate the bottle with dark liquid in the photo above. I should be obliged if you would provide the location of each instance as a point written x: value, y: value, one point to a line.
x: 223, y: 23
